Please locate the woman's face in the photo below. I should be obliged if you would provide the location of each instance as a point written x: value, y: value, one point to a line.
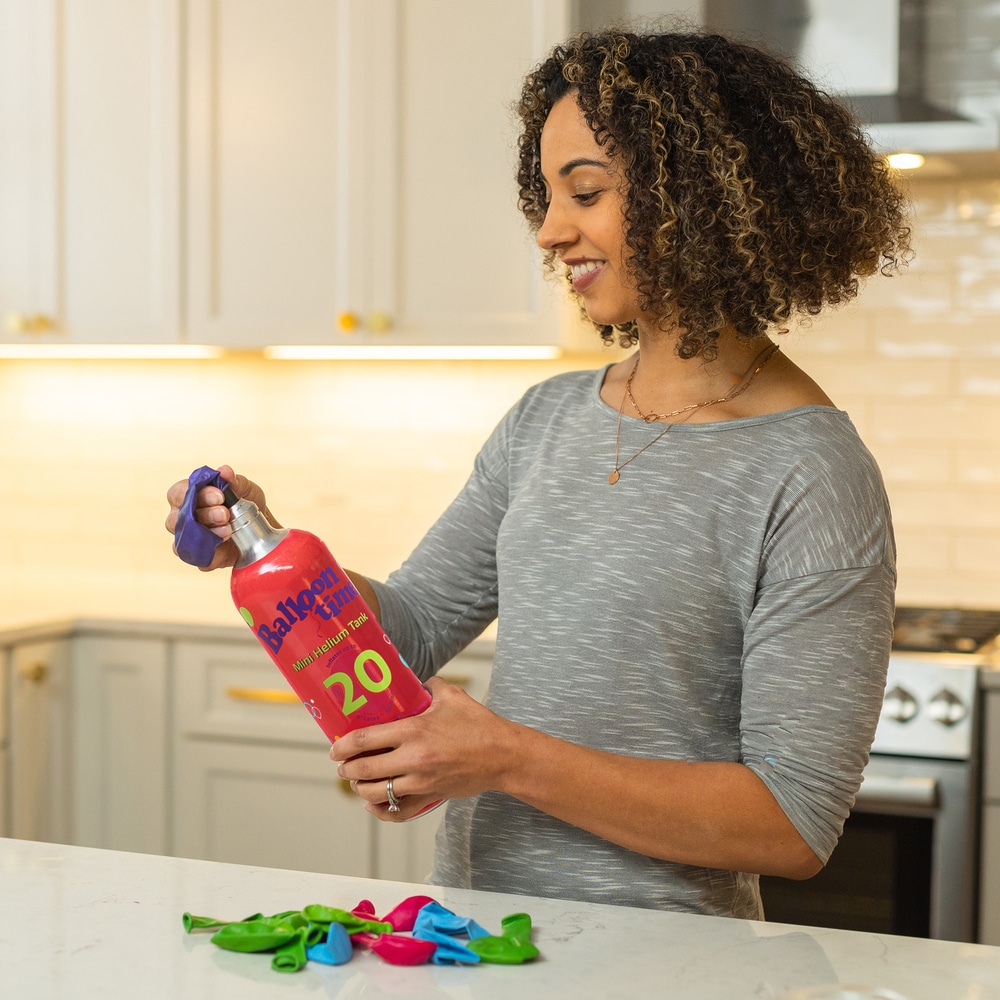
x: 584, y: 219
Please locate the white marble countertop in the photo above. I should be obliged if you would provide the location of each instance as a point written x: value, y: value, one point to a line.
x: 79, y: 923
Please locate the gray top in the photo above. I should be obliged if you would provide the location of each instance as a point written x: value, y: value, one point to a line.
x: 729, y: 599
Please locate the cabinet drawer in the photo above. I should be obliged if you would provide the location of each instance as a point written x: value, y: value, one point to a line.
x: 268, y: 805
x: 991, y: 745
x: 234, y: 690
x: 225, y: 689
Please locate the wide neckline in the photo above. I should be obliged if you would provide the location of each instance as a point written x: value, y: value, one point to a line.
x: 732, y: 423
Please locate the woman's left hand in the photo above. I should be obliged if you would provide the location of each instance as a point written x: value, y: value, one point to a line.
x: 452, y: 750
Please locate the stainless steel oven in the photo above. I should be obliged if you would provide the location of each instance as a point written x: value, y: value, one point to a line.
x: 907, y: 862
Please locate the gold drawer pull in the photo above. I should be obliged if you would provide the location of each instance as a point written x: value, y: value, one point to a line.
x: 273, y: 695
x: 33, y: 673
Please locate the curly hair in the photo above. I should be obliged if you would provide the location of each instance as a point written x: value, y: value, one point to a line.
x: 751, y: 195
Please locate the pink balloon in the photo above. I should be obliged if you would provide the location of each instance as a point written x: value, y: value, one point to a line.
x: 397, y: 949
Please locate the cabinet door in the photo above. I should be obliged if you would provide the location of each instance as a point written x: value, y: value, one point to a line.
x: 346, y: 175
x: 233, y: 690
x: 39, y: 744
x: 120, y: 747
x: 464, y: 268
x: 89, y: 179
x: 268, y: 805
x: 253, y: 781
x: 286, y: 102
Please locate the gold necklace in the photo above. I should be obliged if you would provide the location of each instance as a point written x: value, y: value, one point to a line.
x: 742, y: 386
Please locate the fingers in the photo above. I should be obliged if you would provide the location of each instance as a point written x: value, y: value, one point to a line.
x: 409, y: 807
x: 375, y: 795
x: 210, y: 511
x: 360, y: 752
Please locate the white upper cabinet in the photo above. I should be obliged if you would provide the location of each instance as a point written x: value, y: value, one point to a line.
x: 284, y: 102
x: 256, y: 172
x: 463, y: 259
x: 350, y: 172
x: 89, y: 173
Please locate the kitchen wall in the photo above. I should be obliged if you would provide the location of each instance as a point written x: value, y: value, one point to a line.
x: 367, y: 454
x: 364, y: 454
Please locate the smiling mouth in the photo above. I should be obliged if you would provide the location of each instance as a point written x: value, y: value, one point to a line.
x: 582, y: 275
x: 579, y: 270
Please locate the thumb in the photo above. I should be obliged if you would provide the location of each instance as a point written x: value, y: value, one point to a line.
x: 246, y: 489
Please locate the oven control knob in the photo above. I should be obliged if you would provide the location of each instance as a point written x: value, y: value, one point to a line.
x: 947, y: 708
x: 899, y: 705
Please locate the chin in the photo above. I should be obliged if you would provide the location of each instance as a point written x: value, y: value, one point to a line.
x: 608, y: 317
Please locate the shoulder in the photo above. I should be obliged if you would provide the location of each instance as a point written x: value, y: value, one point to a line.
x: 558, y: 402
x: 555, y: 397
x: 812, y: 443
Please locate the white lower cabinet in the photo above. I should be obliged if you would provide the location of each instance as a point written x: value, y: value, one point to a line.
x: 187, y: 741
x: 253, y: 781
x: 88, y: 742
x: 38, y: 675
x: 118, y: 771
x: 268, y: 805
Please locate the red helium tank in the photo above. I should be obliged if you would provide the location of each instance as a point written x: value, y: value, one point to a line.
x: 317, y: 628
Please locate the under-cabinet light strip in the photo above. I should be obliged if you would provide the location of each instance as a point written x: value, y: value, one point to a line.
x: 147, y: 352
x: 110, y: 352
x: 400, y: 353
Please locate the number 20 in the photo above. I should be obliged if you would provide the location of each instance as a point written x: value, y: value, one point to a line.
x: 353, y: 702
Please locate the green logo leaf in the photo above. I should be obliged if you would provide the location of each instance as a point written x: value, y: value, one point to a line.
x: 247, y: 617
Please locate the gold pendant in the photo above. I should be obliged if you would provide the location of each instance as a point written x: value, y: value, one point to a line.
x: 614, y: 477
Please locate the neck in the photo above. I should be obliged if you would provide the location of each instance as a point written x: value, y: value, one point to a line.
x: 663, y: 382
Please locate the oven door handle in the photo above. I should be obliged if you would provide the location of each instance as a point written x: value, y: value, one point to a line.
x: 920, y: 792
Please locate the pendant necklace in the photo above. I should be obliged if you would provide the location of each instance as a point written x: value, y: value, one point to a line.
x: 742, y: 386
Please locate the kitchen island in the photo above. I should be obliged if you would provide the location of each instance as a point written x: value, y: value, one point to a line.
x: 80, y: 922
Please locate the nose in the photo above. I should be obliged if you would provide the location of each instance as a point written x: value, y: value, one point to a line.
x: 556, y: 230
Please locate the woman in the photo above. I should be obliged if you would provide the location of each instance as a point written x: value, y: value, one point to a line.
x: 689, y: 553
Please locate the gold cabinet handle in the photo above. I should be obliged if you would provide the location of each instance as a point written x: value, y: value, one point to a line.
x: 34, y: 673
x: 271, y: 695
x: 17, y: 322
x: 376, y: 321
x: 348, y: 322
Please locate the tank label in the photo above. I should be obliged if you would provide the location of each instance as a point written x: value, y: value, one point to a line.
x: 325, y: 596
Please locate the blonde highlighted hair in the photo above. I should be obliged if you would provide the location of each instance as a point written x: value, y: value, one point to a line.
x: 751, y: 195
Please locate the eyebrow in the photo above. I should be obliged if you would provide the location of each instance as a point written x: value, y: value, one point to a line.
x: 567, y: 168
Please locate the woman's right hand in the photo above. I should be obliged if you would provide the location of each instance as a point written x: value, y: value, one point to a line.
x: 210, y: 511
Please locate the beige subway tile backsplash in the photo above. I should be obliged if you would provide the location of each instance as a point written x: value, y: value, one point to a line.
x: 368, y: 454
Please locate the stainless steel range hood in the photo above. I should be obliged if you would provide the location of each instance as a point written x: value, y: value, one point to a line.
x: 874, y: 54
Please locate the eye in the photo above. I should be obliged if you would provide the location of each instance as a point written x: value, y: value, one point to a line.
x: 586, y: 197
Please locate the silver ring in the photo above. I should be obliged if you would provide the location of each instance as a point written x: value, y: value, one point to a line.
x: 390, y: 795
